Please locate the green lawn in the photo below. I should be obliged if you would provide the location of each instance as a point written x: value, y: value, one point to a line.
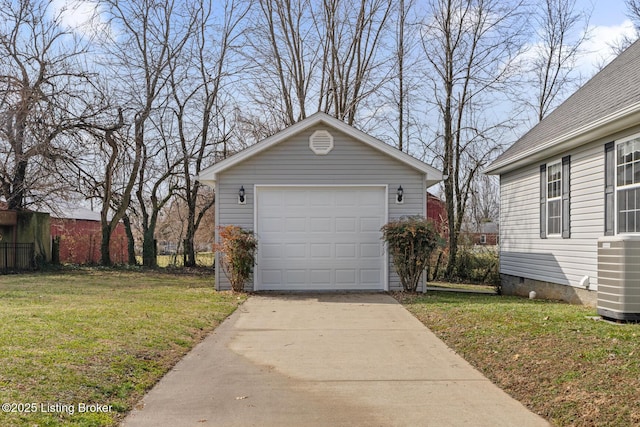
x: 553, y: 357
x: 464, y: 286
x: 96, y: 337
x: 203, y: 259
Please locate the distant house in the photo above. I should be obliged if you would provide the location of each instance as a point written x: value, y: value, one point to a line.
x: 483, y: 234
x: 570, y: 196
x: 80, y: 236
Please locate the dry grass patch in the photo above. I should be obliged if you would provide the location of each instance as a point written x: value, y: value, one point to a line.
x: 551, y: 356
x: 96, y: 337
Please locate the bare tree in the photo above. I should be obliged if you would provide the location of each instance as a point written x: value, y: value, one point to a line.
x: 114, y: 197
x: 197, y: 86
x: 401, y: 54
x: 156, y: 185
x: 285, y: 55
x: 353, y: 59
x: 107, y: 168
x: 471, y: 47
x: 407, y: 40
x: 41, y: 99
x: 145, y: 36
x: 312, y: 55
x: 484, y: 204
x: 561, y: 31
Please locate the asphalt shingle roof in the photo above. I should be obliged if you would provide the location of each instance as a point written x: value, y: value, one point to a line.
x: 612, y: 89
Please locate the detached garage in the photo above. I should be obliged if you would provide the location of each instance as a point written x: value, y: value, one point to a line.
x: 316, y: 195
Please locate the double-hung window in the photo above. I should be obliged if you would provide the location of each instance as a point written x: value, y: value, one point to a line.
x: 628, y: 186
x: 555, y: 200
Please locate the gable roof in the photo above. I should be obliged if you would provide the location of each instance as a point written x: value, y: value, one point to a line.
x: 209, y: 175
x: 608, y: 103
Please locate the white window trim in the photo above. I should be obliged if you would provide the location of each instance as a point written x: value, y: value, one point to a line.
x: 550, y: 199
x: 616, y: 187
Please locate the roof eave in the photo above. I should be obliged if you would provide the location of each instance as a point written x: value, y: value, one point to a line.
x: 616, y: 122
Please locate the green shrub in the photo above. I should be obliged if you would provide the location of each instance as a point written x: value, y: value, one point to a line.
x: 474, y: 264
x: 238, y: 248
x: 410, y: 241
x: 478, y: 265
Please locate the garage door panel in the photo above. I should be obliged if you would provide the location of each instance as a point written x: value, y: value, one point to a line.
x: 271, y: 251
x: 293, y: 276
x: 370, y: 276
x: 320, y: 250
x: 293, y: 199
x: 320, y: 276
x: 345, y: 250
x: 296, y: 250
x: 370, y: 250
x: 275, y: 199
x: 345, y: 199
x: 368, y: 198
x: 272, y: 225
x: 320, y: 225
x: 271, y: 277
x: 346, y: 225
x: 320, y: 238
x: 295, y: 224
x: 370, y: 225
x: 346, y: 276
x: 321, y: 198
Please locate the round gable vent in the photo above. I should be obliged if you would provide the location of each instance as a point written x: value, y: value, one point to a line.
x: 321, y: 142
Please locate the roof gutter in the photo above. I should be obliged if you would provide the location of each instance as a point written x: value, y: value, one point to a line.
x: 608, y: 125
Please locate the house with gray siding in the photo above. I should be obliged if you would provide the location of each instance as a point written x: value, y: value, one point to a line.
x: 316, y: 195
x: 570, y: 192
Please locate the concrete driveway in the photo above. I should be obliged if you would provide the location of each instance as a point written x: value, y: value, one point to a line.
x: 326, y: 360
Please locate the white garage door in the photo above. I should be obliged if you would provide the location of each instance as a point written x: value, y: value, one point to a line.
x: 320, y: 238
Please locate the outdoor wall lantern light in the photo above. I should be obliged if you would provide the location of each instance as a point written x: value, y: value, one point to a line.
x: 241, y: 197
x: 400, y: 195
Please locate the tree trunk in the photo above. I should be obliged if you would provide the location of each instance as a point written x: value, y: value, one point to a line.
x: 189, y: 253
x: 16, y: 198
x: 131, y: 243
x: 105, y: 250
x: 149, y: 256
x: 189, y: 249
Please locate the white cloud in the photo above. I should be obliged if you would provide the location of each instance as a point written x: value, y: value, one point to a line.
x: 599, y: 48
x: 81, y: 16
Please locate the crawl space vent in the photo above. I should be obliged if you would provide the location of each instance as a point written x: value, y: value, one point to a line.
x: 321, y: 142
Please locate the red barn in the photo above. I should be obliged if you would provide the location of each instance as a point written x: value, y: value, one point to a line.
x: 80, y: 237
x: 437, y: 212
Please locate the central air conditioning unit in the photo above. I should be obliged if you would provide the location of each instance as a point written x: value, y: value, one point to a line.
x: 619, y: 277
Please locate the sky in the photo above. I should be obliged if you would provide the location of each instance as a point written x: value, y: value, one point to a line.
x: 608, y: 22
x: 607, y: 13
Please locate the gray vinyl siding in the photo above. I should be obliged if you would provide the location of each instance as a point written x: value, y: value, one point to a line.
x: 292, y: 162
x: 554, y: 259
